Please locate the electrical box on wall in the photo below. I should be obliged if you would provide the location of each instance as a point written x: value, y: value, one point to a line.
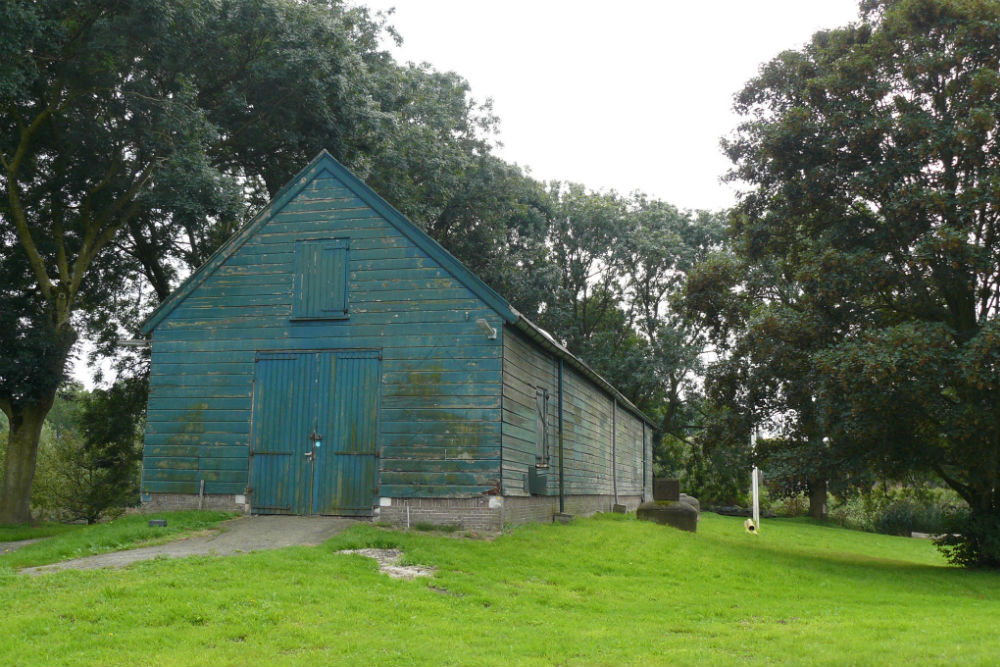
x: 538, y: 481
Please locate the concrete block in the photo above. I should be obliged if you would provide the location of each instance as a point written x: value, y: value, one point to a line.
x: 666, y: 489
x: 669, y: 513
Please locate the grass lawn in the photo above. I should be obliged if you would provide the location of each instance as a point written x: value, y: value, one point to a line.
x: 602, y: 591
x: 76, y: 541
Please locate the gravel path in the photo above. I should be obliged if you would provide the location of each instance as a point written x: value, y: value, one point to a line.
x: 236, y: 536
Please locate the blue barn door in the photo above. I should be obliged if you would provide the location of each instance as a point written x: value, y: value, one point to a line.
x: 346, y: 463
x: 313, y: 437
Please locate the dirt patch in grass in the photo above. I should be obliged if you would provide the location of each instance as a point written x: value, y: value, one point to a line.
x: 389, y: 563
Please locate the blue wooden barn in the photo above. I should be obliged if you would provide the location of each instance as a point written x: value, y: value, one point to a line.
x: 331, y: 358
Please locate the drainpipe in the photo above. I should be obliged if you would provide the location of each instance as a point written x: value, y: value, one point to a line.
x: 562, y: 488
x: 614, y: 447
x: 643, y: 460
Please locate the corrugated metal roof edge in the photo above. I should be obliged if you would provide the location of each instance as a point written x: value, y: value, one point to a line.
x: 541, y: 336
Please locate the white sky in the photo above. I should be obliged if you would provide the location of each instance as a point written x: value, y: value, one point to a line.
x: 630, y: 95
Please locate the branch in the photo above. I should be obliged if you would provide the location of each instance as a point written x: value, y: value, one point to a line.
x: 103, y: 230
x: 27, y: 242
x: 962, y: 489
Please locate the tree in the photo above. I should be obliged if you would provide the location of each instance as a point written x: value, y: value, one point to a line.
x: 621, y: 265
x: 127, y: 153
x: 91, y: 125
x: 873, y: 167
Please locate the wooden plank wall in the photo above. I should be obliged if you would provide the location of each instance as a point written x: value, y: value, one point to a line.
x: 439, y: 425
x: 525, y: 369
x: 587, y: 426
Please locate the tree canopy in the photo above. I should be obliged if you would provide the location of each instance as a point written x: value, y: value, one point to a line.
x: 869, y: 236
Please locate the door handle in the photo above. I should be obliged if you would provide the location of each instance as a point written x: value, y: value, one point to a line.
x: 309, y: 455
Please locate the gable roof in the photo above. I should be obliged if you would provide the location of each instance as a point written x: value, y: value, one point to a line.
x: 324, y: 162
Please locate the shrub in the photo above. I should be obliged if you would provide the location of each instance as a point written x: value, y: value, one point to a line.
x: 899, y: 510
x: 971, y: 540
x: 794, y: 505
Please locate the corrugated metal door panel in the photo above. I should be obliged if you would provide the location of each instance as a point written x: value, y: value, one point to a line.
x: 275, y: 469
x: 348, y: 476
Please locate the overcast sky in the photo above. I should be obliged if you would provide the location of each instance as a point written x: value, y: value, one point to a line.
x: 630, y: 95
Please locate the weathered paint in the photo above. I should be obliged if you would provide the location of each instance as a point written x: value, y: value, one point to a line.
x: 437, y: 384
x: 388, y: 364
x: 588, y: 455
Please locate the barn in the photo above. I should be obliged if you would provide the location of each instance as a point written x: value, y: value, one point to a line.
x: 332, y: 358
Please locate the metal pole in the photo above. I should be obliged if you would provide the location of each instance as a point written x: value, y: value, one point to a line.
x: 562, y: 488
x: 614, y: 446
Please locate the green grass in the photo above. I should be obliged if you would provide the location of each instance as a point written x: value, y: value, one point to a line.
x: 603, y: 591
x: 34, y: 531
x: 124, y: 533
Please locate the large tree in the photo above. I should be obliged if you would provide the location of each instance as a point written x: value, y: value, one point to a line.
x: 128, y: 154
x: 93, y: 126
x: 873, y: 168
x: 620, y: 264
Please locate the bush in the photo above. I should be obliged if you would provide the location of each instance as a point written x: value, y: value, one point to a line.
x: 89, y: 455
x: 789, y: 506
x: 899, y: 510
x: 972, y: 540
x: 79, y: 482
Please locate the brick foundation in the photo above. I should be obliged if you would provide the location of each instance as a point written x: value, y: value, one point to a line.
x: 163, y: 502
x: 482, y: 513
x: 492, y: 513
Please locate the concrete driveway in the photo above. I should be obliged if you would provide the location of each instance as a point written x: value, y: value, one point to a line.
x: 241, y: 535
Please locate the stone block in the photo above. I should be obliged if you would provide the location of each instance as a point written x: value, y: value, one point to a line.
x: 666, y: 489
x: 690, y: 500
x: 669, y: 513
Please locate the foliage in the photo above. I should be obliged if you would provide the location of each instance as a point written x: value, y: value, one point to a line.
x: 620, y: 264
x: 799, y: 588
x: 871, y: 215
x: 972, y: 540
x: 901, y: 509
x: 89, y: 453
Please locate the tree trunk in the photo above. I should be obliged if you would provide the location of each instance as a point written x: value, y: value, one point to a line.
x: 817, y: 498
x: 22, y: 452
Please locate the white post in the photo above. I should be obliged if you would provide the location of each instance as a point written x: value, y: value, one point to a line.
x: 755, y: 475
x: 754, y: 484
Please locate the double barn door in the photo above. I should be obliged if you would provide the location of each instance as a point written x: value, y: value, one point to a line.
x: 313, y: 433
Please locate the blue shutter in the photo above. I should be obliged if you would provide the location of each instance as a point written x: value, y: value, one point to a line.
x: 321, y: 279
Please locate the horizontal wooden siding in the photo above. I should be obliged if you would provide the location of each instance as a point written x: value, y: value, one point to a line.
x: 587, y: 427
x: 440, y: 391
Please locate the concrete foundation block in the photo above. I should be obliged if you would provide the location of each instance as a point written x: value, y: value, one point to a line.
x: 666, y: 489
x: 669, y: 513
x: 690, y: 500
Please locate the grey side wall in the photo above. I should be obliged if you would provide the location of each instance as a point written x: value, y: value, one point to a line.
x: 589, y: 450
